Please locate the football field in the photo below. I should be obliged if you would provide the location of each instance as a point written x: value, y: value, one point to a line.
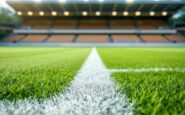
x: 128, y: 80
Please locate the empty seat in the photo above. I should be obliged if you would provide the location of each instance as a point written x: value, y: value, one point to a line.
x: 123, y: 27
x: 93, y: 26
x: 39, y: 26
x: 93, y: 21
x: 13, y: 38
x: 147, y: 26
x: 92, y: 38
x: 61, y: 38
x: 35, y: 38
x: 64, y: 26
x: 175, y: 38
x: 125, y: 38
x: 122, y: 22
x: 154, y: 38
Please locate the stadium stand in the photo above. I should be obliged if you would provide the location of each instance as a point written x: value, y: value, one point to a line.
x: 14, y: 38
x: 61, y: 38
x: 125, y: 38
x: 34, y: 38
x: 154, y: 38
x: 92, y: 39
x: 175, y: 38
x: 107, y: 27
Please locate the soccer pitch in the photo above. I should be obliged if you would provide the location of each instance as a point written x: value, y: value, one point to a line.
x: 27, y: 72
x: 152, y: 79
x: 154, y: 91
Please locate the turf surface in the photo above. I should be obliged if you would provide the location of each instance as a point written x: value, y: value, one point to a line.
x: 27, y: 72
x: 143, y: 57
x: 154, y: 93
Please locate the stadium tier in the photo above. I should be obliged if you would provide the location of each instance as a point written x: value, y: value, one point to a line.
x: 74, y: 22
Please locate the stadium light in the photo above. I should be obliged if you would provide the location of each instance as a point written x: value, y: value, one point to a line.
x: 53, y: 13
x: 41, y: 13
x: 152, y: 13
x: 164, y: 13
x: 19, y: 13
x: 30, y: 13
x: 37, y: 1
x: 66, y: 13
x: 101, y: 0
x: 125, y: 13
x: 98, y: 13
x: 84, y: 13
x: 114, y: 13
x: 62, y: 1
x: 138, y: 13
x: 130, y: 1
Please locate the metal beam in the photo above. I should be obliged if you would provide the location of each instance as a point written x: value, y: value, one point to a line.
x: 22, y: 31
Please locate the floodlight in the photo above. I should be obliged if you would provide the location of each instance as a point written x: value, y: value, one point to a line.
x: 164, y: 13
x: 30, y: 13
x: 41, y: 13
x: 152, y: 13
x: 53, y: 13
x: 114, y: 13
x: 37, y: 1
x: 101, y: 0
x: 84, y: 13
x: 98, y: 13
x: 62, y: 1
x: 66, y: 13
x: 138, y: 13
x: 125, y: 13
x: 130, y: 1
x: 19, y: 13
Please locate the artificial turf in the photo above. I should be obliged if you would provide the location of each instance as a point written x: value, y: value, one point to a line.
x: 119, y: 58
x: 27, y: 72
x: 154, y: 93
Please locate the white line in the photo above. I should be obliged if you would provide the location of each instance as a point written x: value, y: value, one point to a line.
x: 92, y: 92
x: 148, y: 70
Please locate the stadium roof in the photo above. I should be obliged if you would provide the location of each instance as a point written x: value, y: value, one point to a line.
x: 105, y: 7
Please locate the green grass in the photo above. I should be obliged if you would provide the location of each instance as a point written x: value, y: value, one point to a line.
x: 27, y: 72
x: 143, y: 57
x: 154, y: 93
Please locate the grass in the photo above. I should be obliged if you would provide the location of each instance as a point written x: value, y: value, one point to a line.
x: 143, y: 57
x: 27, y: 72
x: 154, y: 93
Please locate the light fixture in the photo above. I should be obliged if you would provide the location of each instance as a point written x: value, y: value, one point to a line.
x: 138, y: 13
x: 101, y: 0
x: 62, y: 1
x: 30, y: 13
x: 37, y: 1
x: 19, y: 13
x: 125, y: 13
x: 129, y: 1
x: 114, y: 13
x: 98, y: 13
x: 53, y: 13
x: 164, y: 13
x: 152, y: 13
x: 41, y: 13
x: 66, y: 13
x: 84, y: 13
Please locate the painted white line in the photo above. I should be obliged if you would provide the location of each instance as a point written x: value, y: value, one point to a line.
x: 92, y: 92
x: 147, y: 70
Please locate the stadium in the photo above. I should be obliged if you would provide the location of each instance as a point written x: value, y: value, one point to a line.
x: 92, y: 57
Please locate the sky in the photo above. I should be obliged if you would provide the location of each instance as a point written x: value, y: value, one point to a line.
x: 3, y: 4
